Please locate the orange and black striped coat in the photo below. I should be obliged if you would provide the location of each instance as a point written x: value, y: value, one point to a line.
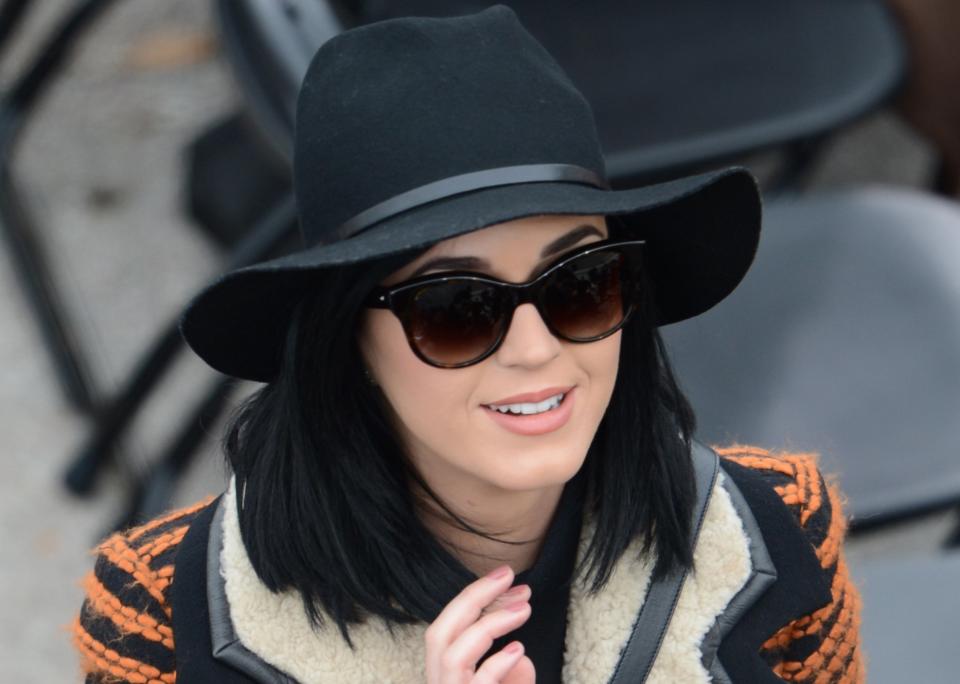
x: 803, y: 629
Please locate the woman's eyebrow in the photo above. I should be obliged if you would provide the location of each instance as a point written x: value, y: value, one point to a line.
x: 470, y: 263
x: 569, y: 240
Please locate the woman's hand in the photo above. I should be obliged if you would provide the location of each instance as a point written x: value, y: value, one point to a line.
x: 466, y: 628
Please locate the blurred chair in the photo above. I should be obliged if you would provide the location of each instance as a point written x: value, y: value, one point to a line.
x: 911, y: 617
x: 843, y: 338
x: 23, y: 241
x: 673, y: 85
x: 110, y: 415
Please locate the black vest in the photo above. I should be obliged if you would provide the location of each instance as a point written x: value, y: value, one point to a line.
x: 800, y: 588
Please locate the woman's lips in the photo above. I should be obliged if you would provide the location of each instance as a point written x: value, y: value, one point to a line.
x: 536, y: 423
x: 531, y: 397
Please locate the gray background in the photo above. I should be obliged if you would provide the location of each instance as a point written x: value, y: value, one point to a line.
x: 101, y: 168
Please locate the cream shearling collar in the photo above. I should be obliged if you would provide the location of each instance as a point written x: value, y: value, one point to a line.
x: 275, y: 626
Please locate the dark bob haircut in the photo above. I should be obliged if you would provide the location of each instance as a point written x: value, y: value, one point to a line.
x: 327, y: 508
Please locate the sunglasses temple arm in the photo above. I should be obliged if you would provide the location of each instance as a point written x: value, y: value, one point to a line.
x: 377, y: 299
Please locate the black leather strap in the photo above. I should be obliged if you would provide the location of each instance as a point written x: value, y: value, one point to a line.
x: 227, y: 647
x: 661, y: 600
x: 468, y: 182
x: 191, y: 619
x: 763, y: 574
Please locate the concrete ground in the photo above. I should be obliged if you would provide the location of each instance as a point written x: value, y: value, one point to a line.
x: 101, y: 169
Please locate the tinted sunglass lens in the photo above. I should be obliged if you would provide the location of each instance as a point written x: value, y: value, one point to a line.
x: 584, y: 298
x: 454, y: 322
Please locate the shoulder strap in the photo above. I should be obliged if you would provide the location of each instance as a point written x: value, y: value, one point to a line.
x: 651, y: 625
x: 227, y: 647
x: 191, y: 629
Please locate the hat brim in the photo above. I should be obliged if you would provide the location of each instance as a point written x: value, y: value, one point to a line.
x: 702, y: 233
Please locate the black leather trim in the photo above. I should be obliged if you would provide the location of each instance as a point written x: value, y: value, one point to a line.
x: 226, y: 644
x: 191, y: 621
x: 763, y: 574
x: 661, y: 599
x: 801, y: 586
x: 468, y: 182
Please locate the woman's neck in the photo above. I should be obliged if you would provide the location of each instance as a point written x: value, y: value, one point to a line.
x: 512, y: 516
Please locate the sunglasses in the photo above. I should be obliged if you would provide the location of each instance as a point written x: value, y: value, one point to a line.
x: 453, y: 320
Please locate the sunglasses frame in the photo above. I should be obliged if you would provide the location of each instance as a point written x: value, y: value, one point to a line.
x: 528, y: 292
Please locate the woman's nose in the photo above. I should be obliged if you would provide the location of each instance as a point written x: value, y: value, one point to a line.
x: 528, y: 342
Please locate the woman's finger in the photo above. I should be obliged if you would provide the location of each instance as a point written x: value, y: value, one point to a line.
x: 467, y: 649
x: 520, y: 592
x: 496, y: 668
x: 522, y: 673
x: 464, y: 610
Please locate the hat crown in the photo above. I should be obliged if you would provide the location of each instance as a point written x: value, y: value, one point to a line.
x: 396, y: 105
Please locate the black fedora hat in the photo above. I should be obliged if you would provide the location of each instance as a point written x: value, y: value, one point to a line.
x: 413, y: 130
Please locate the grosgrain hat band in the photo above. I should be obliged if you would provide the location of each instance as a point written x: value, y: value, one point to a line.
x: 468, y: 182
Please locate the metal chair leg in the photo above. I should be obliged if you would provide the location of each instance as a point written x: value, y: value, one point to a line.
x: 264, y: 240
x: 116, y: 416
x: 152, y: 493
x: 51, y: 55
x: 23, y: 240
x: 36, y: 281
x: 11, y: 13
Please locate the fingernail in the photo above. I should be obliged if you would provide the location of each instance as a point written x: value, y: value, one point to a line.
x: 515, y: 647
x: 500, y: 572
x: 517, y: 607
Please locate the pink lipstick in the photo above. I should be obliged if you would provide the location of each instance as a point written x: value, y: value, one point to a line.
x: 538, y: 423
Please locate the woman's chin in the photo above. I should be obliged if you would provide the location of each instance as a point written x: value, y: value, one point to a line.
x: 527, y: 470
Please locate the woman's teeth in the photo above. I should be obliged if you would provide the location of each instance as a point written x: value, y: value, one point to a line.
x: 530, y: 409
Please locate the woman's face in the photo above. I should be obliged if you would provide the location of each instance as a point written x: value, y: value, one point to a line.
x: 461, y: 447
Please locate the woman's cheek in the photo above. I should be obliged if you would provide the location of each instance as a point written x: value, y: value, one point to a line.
x: 603, y: 364
x: 431, y: 403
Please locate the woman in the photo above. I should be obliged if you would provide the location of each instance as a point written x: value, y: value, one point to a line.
x: 470, y: 461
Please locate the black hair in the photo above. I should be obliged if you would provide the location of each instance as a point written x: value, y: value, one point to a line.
x: 326, y: 508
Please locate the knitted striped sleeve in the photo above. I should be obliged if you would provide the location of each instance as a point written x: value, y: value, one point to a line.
x: 123, y: 632
x: 823, y: 647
